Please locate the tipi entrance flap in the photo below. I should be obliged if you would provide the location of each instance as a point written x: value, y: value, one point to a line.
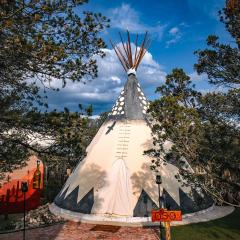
x: 115, y: 196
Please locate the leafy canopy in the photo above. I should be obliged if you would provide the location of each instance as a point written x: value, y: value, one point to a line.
x: 40, y: 41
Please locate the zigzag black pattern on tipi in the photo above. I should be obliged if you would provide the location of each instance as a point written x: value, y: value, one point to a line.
x: 69, y: 202
x: 169, y: 202
x: 144, y: 206
x: 194, y: 203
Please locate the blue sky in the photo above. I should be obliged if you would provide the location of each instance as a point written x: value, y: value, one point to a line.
x: 177, y: 28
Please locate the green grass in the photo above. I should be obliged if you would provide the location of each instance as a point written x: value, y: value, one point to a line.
x: 227, y: 228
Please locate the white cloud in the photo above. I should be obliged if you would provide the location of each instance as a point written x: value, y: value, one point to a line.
x: 195, y: 77
x: 115, y: 78
x: 185, y: 25
x: 201, y: 82
x: 174, y: 30
x: 127, y: 18
x: 175, y: 35
x: 103, y: 91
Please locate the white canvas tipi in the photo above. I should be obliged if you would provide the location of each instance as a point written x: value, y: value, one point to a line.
x: 114, y: 181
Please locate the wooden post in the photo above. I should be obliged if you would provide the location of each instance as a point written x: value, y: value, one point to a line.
x: 168, y: 231
x: 166, y: 216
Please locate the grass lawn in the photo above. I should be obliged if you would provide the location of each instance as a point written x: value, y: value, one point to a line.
x: 227, y: 228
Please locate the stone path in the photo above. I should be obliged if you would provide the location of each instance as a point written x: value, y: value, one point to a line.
x: 83, y: 231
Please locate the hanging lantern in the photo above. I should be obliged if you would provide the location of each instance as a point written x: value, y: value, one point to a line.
x: 37, y: 177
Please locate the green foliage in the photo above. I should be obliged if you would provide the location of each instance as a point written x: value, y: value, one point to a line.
x: 175, y: 118
x: 201, y: 133
x: 231, y: 18
x: 224, y: 106
x: 221, y: 62
x: 49, y: 39
x: 41, y: 41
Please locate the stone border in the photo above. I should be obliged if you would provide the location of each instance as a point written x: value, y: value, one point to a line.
x: 214, y: 212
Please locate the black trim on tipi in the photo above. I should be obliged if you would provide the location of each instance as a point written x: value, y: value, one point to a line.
x: 70, y: 202
x: 144, y: 206
x: 195, y: 203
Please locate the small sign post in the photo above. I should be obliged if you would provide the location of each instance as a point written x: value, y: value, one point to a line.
x: 167, y: 216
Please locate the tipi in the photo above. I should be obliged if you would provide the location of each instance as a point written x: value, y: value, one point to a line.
x: 114, y: 181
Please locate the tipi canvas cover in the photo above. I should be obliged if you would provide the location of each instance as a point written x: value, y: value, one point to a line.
x: 114, y: 181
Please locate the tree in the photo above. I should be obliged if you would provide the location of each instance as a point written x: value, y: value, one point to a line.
x: 40, y: 41
x: 186, y: 119
x: 231, y: 18
x: 221, y: 63
x: 175, y: 118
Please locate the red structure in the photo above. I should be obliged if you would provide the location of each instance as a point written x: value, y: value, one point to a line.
x: 11, y: 196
